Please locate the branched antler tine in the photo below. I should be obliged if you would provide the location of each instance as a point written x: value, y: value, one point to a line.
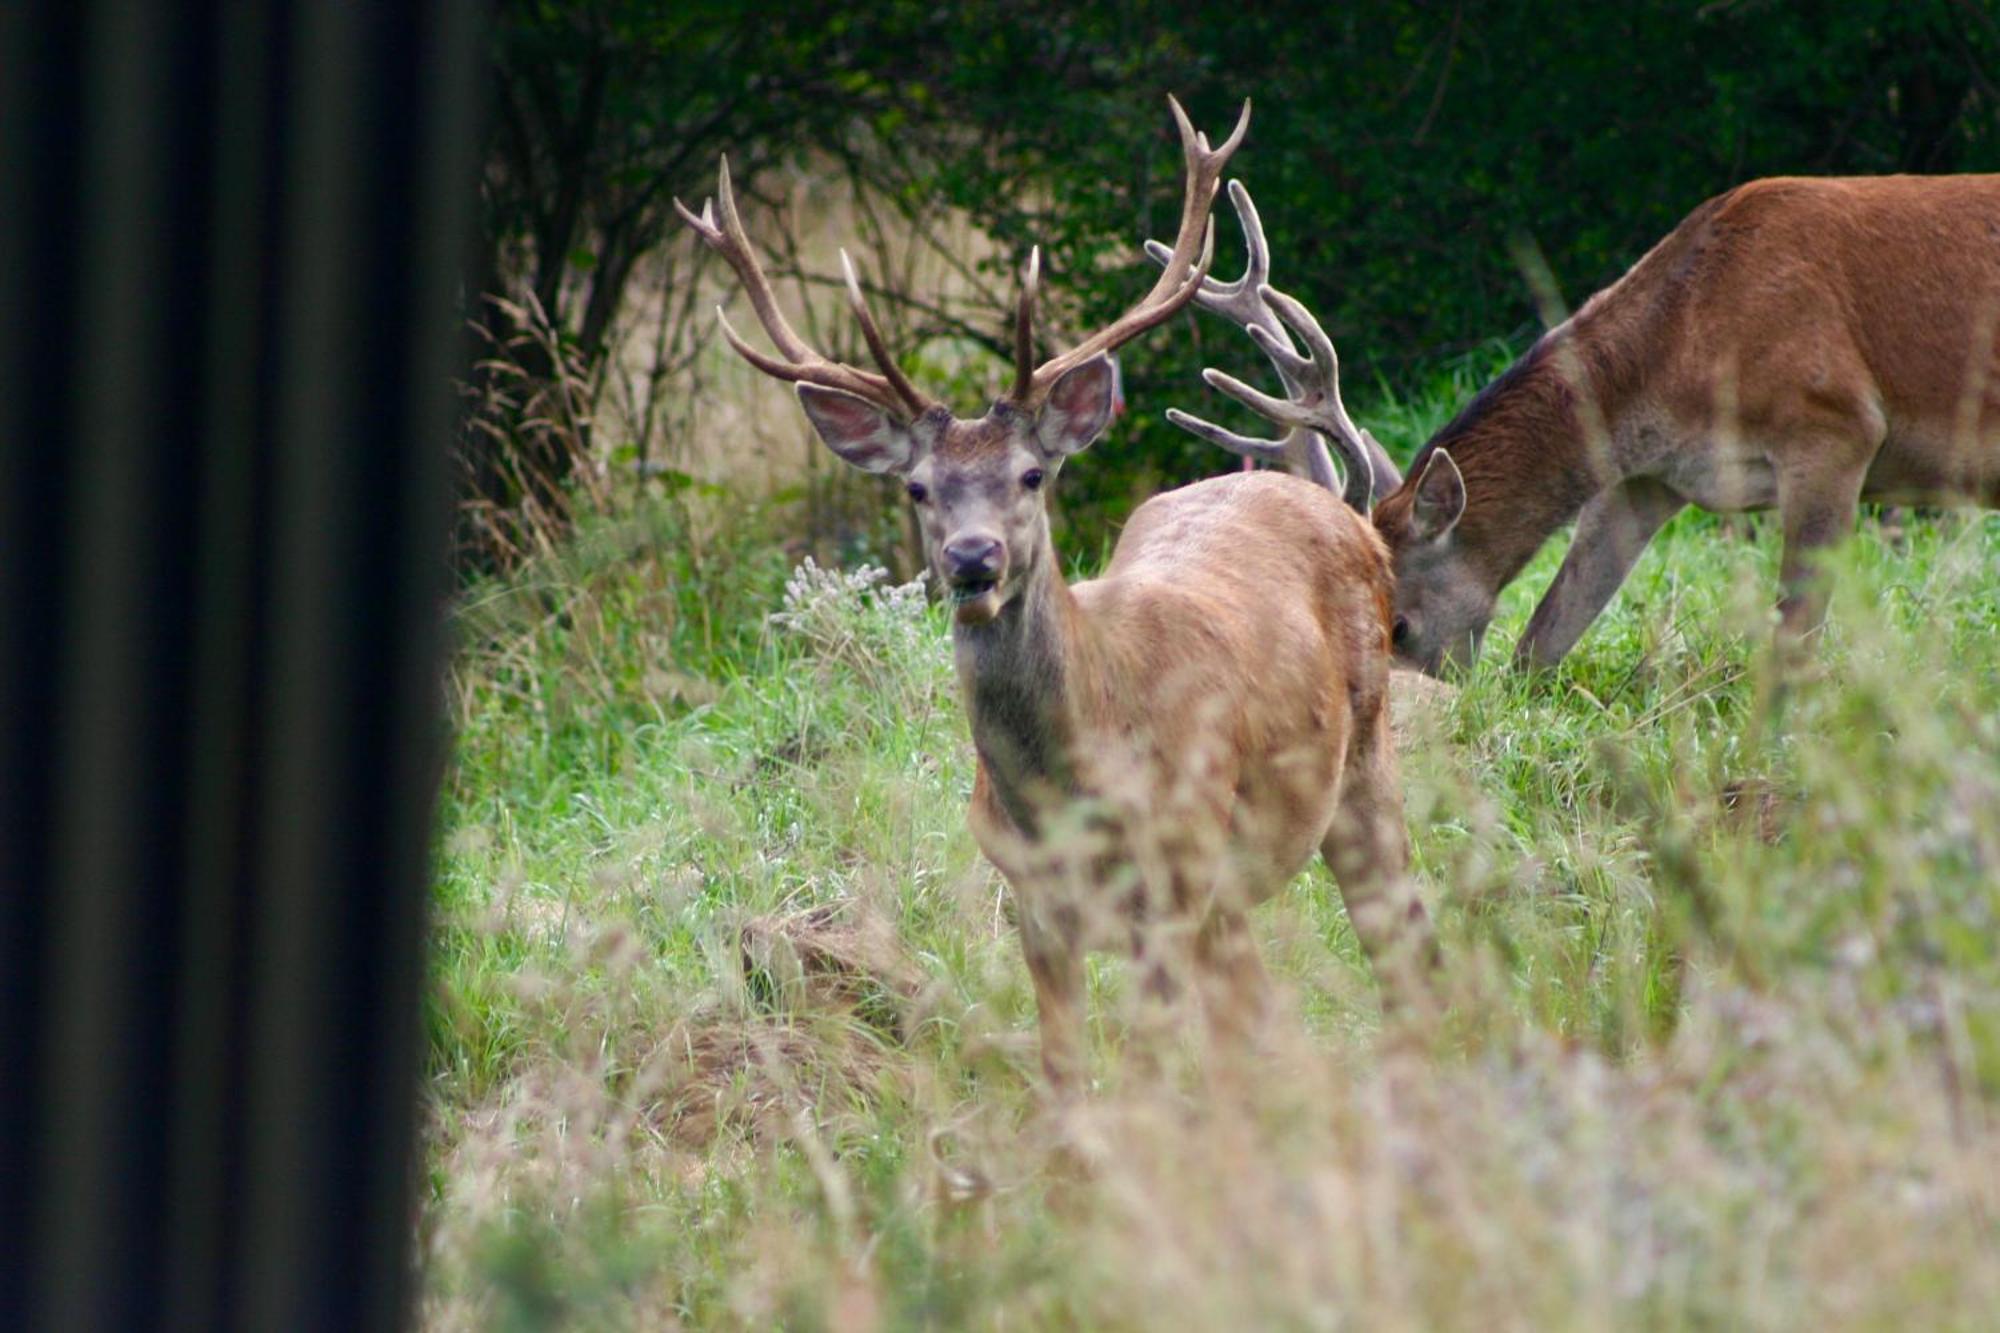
x: 1332, y: 414
x: 1257, y: 250
x: 770, y: 365
x: 1241, y: 301
x: 1326, y: 413
x: 1155, y: 251
x: 781, y: 369
x: 1301, y: 321
x: 1148, y: 315
x: 703, y: 222
x: 731, y: 242
x: 1204, y: 172
x: 1311, y: 411
x: 1213, y: 293
x: 1143, y: 317
x: 1185, y: 271
x: 721, y: 230
x: 831, y: 374
x: 1193, y: 203
x: 1292, y: 367
x: 871, y: 333
x: 1246, y: 446
x: 1024, y: 324
x: 1235, y: 139
x: 1277, y: 410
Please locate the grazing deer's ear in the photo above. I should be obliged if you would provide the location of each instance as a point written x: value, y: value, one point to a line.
x: 1440, y: 498
x: 857, y: 430
x: 1078, y: 407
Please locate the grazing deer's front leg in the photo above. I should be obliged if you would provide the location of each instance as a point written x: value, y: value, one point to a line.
x: 1612, y: 530
x: 1818, y: 501
x: 1368, y: 848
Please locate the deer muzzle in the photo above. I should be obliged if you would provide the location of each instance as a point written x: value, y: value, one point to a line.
x: 973, y: 567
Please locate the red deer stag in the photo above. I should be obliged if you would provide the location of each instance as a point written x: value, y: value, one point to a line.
x: 1803, y: 343
x: 1201, y: 718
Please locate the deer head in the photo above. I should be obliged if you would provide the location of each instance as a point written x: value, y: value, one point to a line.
x: 979, y: 483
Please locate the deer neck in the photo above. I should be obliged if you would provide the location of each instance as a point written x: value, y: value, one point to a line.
x: 1027, y: 677
x: 1524, y: 447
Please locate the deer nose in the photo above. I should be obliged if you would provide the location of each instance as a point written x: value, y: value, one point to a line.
x: 974, y: 559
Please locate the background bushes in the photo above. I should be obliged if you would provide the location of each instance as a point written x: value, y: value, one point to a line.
x: 1401, y: 151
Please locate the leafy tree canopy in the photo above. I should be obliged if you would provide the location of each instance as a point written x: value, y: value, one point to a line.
x: 1398, y: 147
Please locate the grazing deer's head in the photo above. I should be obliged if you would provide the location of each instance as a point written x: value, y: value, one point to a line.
x: 1444, y: 597
x: 980, y: 484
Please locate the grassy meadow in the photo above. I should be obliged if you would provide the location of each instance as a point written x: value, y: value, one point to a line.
x: 729, y: 1027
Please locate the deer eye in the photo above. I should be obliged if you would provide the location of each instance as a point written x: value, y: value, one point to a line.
x: 918, y: 492
x: 1400, y: 632
x: 1032, y: 478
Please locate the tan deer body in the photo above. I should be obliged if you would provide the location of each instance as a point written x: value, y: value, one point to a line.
x: 1163, y: 747
x: 1795, y: 343
x: 1218, y: 700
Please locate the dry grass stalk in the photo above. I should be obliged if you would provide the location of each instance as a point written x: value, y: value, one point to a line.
x: 524, y: 450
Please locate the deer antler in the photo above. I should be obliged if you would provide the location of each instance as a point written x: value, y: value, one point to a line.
x: 1311, y: 410
x: 722, y: 230
x: 1186, y: 268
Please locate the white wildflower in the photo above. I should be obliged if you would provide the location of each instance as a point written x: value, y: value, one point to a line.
x: 857, y: 617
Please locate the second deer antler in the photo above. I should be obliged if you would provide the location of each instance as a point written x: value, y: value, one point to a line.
x: 1311, y: 410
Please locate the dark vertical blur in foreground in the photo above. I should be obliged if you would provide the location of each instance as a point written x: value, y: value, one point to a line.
x: 229, y: 245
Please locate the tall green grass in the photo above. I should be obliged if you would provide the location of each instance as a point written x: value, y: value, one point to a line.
x: 728, y: 1027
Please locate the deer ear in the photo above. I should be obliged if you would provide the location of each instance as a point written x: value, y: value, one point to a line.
x: 1078, y: 407
x: 1440, y: 499
x: 857, y: 430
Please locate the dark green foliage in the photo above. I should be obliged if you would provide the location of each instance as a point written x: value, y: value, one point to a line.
x: 1397, y: 149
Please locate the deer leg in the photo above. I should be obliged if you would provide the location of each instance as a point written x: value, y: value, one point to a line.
x: 1166, y: 973
x: 1368, y: 848
x: 1818, y: 509
x: 1612, y: 530
x: 1055, y: 965
x: 1235, y: 984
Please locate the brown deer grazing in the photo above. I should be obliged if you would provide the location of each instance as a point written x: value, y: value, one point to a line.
x: 1163, y: 747
x: 1803, y: 343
